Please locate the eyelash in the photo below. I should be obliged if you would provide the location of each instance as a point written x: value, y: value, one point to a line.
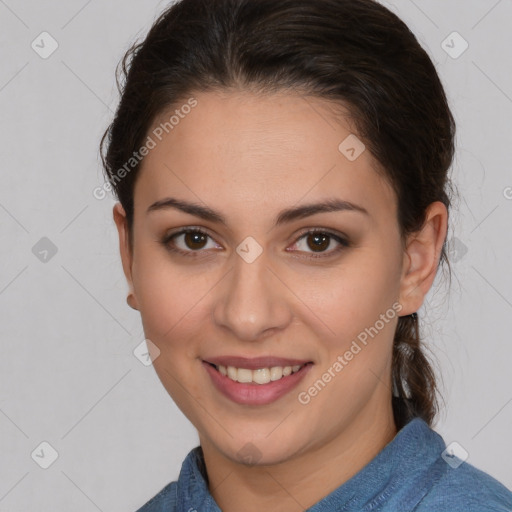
x: 343, y: 242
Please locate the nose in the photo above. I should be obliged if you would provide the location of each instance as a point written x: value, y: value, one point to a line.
x: 253, y: 302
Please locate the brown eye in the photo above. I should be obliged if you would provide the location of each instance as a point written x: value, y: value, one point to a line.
x: 189, y: 242
x: 195, y: 240
x: 318, y: 241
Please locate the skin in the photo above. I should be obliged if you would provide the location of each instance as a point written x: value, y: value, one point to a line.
x: 249, y: 157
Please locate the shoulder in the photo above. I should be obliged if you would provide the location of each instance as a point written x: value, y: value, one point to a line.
x: 469, y: 489
x: 164, y: 501
x: 428, y: 477
x: 190, y: 487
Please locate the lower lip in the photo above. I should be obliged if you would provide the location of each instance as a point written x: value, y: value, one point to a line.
x: 255, y: 394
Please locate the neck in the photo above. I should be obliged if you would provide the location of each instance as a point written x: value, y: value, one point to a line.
x: 305, y: 479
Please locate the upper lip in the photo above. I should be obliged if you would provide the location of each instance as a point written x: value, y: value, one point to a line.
x: 253, y: 363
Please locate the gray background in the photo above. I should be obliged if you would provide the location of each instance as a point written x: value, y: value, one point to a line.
x: 68, y: 375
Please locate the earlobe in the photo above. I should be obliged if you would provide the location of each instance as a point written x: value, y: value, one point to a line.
x: 125, y: 251
x: 421, y: 258
x: 130, y: 300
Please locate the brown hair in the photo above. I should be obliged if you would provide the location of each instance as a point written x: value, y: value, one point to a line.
x: 352, y: 52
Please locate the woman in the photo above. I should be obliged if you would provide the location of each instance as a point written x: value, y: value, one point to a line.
x: 282, y: 176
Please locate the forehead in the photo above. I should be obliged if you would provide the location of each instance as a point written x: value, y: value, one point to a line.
x: 239, y: 148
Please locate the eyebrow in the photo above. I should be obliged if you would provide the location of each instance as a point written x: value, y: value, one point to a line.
x: 285, y: 216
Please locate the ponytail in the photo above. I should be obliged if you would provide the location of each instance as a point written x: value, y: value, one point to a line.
x: 415, y: 390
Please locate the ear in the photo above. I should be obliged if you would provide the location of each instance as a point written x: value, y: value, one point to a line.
x: 421, y: 258
x: 125, y: 250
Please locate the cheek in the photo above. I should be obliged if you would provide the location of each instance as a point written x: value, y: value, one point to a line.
x: 168, y: 297
x: 361, y: 312
x: 172, y: 314
x: 353, y: 296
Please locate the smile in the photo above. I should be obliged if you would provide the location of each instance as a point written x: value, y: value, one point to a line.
x: 258, y: 386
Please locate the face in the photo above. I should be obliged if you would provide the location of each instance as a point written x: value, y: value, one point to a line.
x: 229, y: 263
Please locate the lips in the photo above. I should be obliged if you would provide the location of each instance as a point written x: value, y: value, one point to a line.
x: 255, y: 380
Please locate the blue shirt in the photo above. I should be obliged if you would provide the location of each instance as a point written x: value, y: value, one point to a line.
x: 409, y: 474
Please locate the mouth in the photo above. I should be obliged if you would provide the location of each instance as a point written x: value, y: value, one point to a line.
x: 259, y: 385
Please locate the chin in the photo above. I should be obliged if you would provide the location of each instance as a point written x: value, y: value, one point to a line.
x: 259, y: 452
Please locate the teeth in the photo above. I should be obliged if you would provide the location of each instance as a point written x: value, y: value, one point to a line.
x: 259, y: 376
x: 243, y: 375
x: 276, y: 372
x: 232, y: 372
